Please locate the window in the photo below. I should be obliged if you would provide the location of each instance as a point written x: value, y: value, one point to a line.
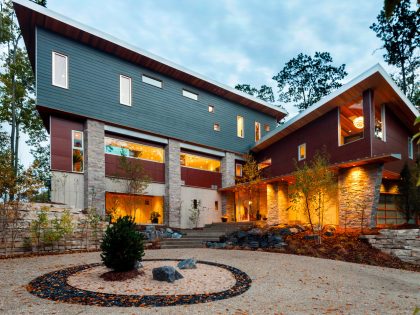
x: 302, y: 152
x: 77, y: 150
x: 59, y: 70
x: 190, y: 95
x: 264, y: 164
x: 152, y: 81
x: 387, y: 212
x: 267, y: 127
x: 380, y: 131
x: 351, y: 122
x: 240, y: 126
x: 216, y: 127
x: 125, y: 90
x: 211, y: 109
x: 410, y: 148
x: 199, y: 162
x: 216, y: 205
x: 238, y: 170
x: 133, y: 150
x: 257, y: 131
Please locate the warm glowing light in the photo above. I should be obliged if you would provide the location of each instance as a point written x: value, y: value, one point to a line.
x: 358, y: 122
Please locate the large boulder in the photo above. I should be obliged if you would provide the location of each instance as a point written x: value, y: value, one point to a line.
x: 166, y: 273
x: 189, y: 263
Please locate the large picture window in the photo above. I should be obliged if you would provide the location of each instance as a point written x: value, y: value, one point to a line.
x: 59, y: 70
x: 351, y: 122
x: 199, y: 162
x: 387, y: 213
x: 133, y: 150
x: 77, y: 150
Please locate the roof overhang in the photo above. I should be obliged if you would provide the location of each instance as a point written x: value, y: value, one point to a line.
x: 375, y: 78
x: 31, y: 15
x: 379, y: 159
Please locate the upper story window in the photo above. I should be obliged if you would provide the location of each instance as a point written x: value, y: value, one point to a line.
x: 240, y: 126
x: 380, y: 131
x: 351, y: 122
x: 199, y: 162
x: 267, y: 127
x: 238, y: 170
x: 59, y: 70
x: 211, y: 109
x: 125, y: 90
x: 410, y: 148
x: 152, y: 81
x: 77, y: 150
x: 264, y: 164
x: 216, y: 127
x: 133, y: 150
x: 257, y: 131
x: 191, y: 95
x: 302, y: 152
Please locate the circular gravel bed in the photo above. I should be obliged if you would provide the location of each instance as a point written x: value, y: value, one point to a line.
x: 83, y: 285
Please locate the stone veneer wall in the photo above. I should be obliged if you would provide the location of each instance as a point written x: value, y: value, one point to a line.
x: 82, y: 238
x: 172, y: 211
x: 94, y: 168
x: 272, y: 204
x: 404, y: 244
x: 358, y: 189
x: 228, y: 179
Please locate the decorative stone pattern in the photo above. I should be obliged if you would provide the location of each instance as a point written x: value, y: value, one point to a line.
x: 272, y: 204
x: 94, y: 171
x: 404, y: 244
x: 283, y: 202
x: 53, y: 286
x: 172, y: 211
x: 228, y: 205
x: 358, y: 190
x: 228, y: 179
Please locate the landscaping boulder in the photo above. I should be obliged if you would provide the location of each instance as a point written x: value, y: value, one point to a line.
x: 255, y: 231
x: 176, y: 235
x: 293, y: 230
x: 166, y: 273
x: 138, y: 265
x: 311, y: 237
x: 189, y: 263
x: 241, y: 234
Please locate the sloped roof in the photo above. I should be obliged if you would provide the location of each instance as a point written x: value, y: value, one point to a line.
x: 31, y: 15
x: 375, y: 78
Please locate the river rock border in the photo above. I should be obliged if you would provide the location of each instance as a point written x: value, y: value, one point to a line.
x: 53, y: 286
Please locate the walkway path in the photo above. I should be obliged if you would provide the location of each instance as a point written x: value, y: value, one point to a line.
x: 282, y: 284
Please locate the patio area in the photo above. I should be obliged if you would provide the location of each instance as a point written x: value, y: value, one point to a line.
x: 285, y: 284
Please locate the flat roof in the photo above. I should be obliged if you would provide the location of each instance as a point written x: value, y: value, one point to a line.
x: 376, y: 78
x: 31, y: 15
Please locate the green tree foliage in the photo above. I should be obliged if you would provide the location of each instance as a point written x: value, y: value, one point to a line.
x: 314, y: 186
x: 408, y: 201
x: 401, y: 41
x: 304, y: 80
x: 122, y: 245
x: 17, y: 92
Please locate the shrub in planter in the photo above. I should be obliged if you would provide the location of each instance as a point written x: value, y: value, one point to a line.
x: 122, y: 246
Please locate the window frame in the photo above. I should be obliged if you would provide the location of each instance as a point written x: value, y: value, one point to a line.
x: 237, y: 126
x: 133, y: 157
x: 216, y: 128
x: 82, y: 149
x: 266, y: 127
x: 410, y: 148
x: 152, y: 79
x: 255, y: 131
x: 383, y: 118
x: 122, y: 76
x: 299, y: 156
x: 53, y: 70
x: 188, y: 94
x: 211, y: 109
x: 241, y: 169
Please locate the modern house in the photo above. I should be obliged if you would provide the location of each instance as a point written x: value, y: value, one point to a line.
x: 101, y: 98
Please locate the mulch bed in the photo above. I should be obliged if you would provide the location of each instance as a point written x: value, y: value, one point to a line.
x: 121, y: 276
x: 53, y: 286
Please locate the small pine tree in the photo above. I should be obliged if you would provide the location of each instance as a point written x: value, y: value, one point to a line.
x: 122, y: 245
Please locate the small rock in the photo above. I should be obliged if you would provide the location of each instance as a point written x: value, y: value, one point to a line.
x: 176, y: 235
x: 329, y: 233
x: 255, y: 231
x: 166, y: 273
x: 168, y: 230
x: 311, y: 237
x: 293, y: 230
x: 189, y: 263
x: 241, y: 234
x: 253, y: 244
x: 138, y: 265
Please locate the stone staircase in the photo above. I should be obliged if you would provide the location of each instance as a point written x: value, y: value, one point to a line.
x: 198, y: 238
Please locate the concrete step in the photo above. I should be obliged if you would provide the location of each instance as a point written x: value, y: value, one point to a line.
x: 183, y: 243
x: 175, y: 246
x: 192, y: 239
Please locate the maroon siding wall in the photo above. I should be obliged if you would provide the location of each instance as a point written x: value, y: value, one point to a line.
x: 322, y: 132
x: 61, y: 146
x: 155, y: 170
x: 396, y: 142
x: 199, y: 178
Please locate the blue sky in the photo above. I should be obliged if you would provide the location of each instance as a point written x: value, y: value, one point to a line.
x: 237, y: 41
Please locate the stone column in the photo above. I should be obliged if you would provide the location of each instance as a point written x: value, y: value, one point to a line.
x: 94, y: 168
x: 283, y: 202
x: 172, y: 211
x: 228, y: 179
x: 358, y: 192
x: 272, y: 204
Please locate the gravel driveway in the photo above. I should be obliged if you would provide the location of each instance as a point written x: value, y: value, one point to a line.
x: 282, y: 284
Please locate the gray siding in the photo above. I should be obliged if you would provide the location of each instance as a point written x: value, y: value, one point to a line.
x: 94, y: 92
